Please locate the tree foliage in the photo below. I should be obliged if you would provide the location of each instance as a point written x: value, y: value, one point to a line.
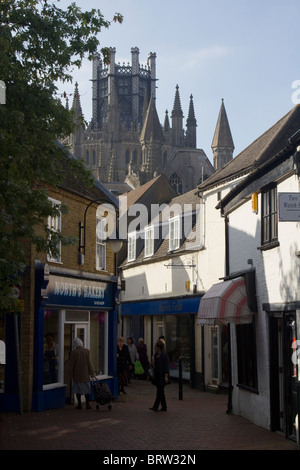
x: 40, y: 45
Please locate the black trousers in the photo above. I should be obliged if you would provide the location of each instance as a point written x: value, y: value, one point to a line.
x: 160, y: 398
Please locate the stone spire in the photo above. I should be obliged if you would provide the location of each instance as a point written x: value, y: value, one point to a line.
x: 191, y: 125
x: 222, y: 144
x: 177, y: 120
x: 151, y: 139
x: 76, y: 102
x: 79, y: 128
x: 151, y: 127
x: 167, y: 122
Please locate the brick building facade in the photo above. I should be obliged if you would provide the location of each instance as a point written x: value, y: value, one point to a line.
x: 67, y: 295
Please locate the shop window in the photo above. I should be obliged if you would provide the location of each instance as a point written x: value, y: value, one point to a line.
x: 54, y: 225
x: 52, y: 354
x: 149, y: 241
x: 100, y: 244
x: 246, y: 355
x: 178, y: 344
x: 98, y: 342
x: 131, y: 246
x: 90, y: 327
x: 174, y: 233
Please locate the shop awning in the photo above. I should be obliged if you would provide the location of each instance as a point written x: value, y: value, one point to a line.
x: 225, y: 302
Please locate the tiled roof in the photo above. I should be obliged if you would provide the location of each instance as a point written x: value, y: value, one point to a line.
x: 162, y: 245
x: 261, y: 150
x: 134, y: 195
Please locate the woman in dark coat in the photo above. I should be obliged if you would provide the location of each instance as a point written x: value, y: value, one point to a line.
x: 81, y: 369
x: 143, y: 356
x: 161, y: 376
x: 123, y: 363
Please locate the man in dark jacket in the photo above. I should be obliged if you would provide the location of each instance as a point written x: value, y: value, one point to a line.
x: 161, y: 375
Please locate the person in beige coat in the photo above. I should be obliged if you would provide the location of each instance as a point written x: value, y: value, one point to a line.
x: 81, y: 369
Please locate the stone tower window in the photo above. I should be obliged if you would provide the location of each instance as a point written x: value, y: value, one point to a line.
x: 176, y: 182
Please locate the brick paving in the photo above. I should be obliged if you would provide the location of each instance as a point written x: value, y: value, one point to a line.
x: 197, y: 422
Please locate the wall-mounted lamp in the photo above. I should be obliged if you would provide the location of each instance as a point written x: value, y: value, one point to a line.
x: 115, y: 243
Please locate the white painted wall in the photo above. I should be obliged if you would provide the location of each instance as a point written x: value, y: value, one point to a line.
x: 277, y: 281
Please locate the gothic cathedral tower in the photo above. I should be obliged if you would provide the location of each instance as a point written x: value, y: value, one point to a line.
x: 125, y: 144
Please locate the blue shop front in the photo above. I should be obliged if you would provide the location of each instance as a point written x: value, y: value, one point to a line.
x: 175, y: 319
x: 69, y: 305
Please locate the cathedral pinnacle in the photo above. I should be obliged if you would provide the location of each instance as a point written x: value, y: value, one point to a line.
x: 177, y: 111
x: 222, y: 144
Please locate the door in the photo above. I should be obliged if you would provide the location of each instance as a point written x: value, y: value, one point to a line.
x: 81, y: 332
x: 290, y: 375
x: 283, y: 374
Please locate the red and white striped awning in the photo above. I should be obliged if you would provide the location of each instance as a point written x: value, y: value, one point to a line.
x: 225, y: 302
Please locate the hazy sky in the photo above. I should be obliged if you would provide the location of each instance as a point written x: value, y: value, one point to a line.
x: 244, y: 51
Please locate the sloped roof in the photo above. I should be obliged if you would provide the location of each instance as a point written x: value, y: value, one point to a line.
x: 162, y: 245
x: 260, y: 151
x: 137, y: 194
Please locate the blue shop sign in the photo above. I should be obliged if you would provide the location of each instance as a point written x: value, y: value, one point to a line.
x: 80, y: 293
x: 162, y: 307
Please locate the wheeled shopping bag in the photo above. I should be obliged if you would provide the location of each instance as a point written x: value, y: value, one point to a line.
x: 103, y: 395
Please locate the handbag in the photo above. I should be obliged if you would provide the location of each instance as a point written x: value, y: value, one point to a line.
x: 151, y: 372
x: 138, y: 368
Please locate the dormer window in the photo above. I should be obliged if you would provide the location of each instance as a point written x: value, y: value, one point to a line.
x: 131, y: 254
x: 174, y: 233
x: 149, y: 241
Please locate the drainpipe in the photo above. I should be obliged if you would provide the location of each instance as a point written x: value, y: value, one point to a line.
x: 16, y: 327
x: 227, y: 271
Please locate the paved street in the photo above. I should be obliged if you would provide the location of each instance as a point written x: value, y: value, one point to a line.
x: 197, y: 422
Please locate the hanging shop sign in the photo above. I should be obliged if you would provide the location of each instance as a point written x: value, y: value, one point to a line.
x: 78, y: 293
x: 289, y: 207
x: 161, y: 307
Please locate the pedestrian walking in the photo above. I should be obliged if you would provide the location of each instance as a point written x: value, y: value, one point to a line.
x: 81, y: 370
x: 143, y: 357
x: 161, y: 376
x: 123, y: 363
x: 133, y: 356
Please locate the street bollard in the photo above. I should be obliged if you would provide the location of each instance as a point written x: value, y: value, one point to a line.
x: 180, y: 379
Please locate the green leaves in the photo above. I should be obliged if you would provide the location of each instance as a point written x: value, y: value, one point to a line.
x: 40, y: 44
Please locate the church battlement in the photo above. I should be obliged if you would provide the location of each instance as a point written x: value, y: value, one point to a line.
x: 125, y: 137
